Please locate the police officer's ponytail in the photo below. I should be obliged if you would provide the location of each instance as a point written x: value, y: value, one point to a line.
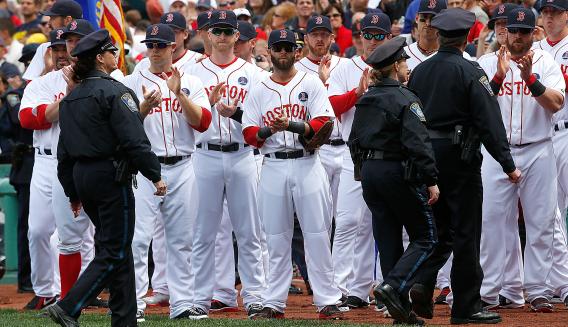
x: 378, y: 74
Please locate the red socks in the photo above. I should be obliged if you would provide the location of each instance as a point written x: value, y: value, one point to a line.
x: 69, y: 269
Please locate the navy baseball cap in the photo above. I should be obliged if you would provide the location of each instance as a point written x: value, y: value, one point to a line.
x: 223, y: 18
x: 521, y: 18
x: 94, y: 43
x: 246, y: 31
x: 175, y: 20
x: 205, y: 4
x: 79, y: 27
x: 376, y: 21
x: 159, y: 33
x: 501, y: 12
x: 318, y: 21
x: 432, y: 6
x: 558, y: 4
x: 65, y: 8
x: 388, y: 53
x: 453, y: 22
x: 281, y: 36
x: 55, y: 37
x: 28, y: 52
x: 203, y: 20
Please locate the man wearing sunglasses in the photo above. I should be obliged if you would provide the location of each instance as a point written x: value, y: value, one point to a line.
x: 530, y: 88
x: 225, y: 169
x: 353, y: 244
x: 174, y: 106
x: 280, y: 111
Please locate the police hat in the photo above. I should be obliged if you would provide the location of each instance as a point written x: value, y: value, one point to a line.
x: 246, y: 31
x: 558, y: 4
x: 318, y: 21
x: 388, y: 53
x: 281, y: 36
x: 501, y: 12
x: 453, y: 22
x: 28, y: 52
x: 432, y: 6
x: 203, y: 20
x: 521, y: 18
x: 79, y: 27
x: 225, y: 18
x: 94, y: 43
x: 55, y: 37
x: 159, y: 33
x: 65, y: 8
x: 376, y: 21
x: 175, y: 20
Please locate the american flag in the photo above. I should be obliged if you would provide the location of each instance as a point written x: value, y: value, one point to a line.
x: 112, y: 18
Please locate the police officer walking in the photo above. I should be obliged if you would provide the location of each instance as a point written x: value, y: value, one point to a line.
x: 398, y: 175
x: 461, y: 112
x: 102, y: 142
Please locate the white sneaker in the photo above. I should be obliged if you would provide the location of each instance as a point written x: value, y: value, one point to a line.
x: 157, y: 300
x: 140, y: 316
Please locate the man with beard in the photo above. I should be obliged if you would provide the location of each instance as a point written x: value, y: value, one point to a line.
x: 280, y: 110
x: 353, y: 245
x: 533, y: 82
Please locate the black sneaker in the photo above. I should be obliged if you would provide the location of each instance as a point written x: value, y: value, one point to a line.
x: 61, y: 317
x: 295, y: 290
x: 505, y: 303
x: 218, y: 306
x: 330, y: 312
x: 39, y: 302
x: 253, y: 309
x: 355, y: 302
x: 139, y: 316
x: 193, y: 313
x: 441, y: 298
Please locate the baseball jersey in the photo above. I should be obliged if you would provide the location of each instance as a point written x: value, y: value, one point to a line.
x: 188, y: 59
x: 239, y: 76
x: 344, y: 78
x: 168, y: 131
x: 301, y: 99
x: 43, y: 91
x: 37, y: 64
x: 560, y: 54
x: 525, y: 120
x: 416, y: 56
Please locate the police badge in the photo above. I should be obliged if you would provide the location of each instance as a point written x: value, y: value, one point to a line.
x: 415, y: 108
x: 129, y: 102
x: 485, y: 82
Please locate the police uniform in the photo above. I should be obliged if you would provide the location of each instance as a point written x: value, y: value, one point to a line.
x: 459, y: 115
x: 388, y: 132
x: 100, y: 129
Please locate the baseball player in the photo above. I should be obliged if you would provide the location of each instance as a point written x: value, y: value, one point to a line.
x: 174, y: 105
x: 353, y: 244
x: 530, y: 88
x: 225, y: 169
x: 280, y: 110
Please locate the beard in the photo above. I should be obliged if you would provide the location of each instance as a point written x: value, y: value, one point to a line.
x: 518, y: 48
x: 318, y: 51
x: 281, y: 64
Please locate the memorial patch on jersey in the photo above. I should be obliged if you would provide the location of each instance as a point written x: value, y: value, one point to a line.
x: 565, y: 55
x: 242, y: 80
x: 415, y: 108
x: 129, y: 102
x: 185, y: 90
x: 485, y: 82
x: 537, y: 76
x: 303, y: 96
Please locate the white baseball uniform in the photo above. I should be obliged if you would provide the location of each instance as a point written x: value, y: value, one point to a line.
x: 293, y: 185
x: 529, y: 131
x: 173, y: 139
x: 416, y: 57
x: 353, y: 243
x: 225, y: 168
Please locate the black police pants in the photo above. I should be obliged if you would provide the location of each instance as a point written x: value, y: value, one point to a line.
x: 24, y: 261
x: 110, y: 207
x: 394, y: 204
x: 458, y: 220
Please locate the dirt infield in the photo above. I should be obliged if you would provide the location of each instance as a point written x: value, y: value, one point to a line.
x: 300, y: 307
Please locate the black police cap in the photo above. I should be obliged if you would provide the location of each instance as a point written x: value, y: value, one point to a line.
x: 55, y: 37
x: 453, y: 22
x: 223, y: 18
x: 65, y: 8
x: 203, y: 20
x: 246, y: 31
x: 79, y: 27
x: 388, y: 53
x: 281, y: 36
x: 160, y: 33
x: 318, y: 21
x: 432, y: 6
x: 376, y: 21
x: 94, y: 43
x: 558, y: 4
x: 501, y: 12
x: 521, y: 18
x: 175, y: 20
x: 28, y: 52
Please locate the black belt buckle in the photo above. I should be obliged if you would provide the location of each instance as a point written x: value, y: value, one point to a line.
x: 171, y: 160
x: 231, y: 147
x: 46, y: 152
x: 294, y: 154
x: 335, y: 142
x: 556, y: 128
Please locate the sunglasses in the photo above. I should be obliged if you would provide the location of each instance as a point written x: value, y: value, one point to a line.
x: 156, y: 45
x: 218, y: 31
x: 225, y: 4
x: 370, y: 36
x: 515, y: 30
x: 285, y: 47
x: 333, y: 15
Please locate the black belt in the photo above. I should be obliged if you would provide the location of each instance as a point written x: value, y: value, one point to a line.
x: 256, y: 152
x: 46, y: 152
x: 335, y: 142
x: 557, y: 125
x: 172, y: 160
x: 434, y: 134
x: 294, y: 154
x: 231, y: 147
x: 382, y: 155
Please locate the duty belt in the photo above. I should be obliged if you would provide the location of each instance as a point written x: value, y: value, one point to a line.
x: 335, y: 142
x: 381, y: 155
x: 294, y: 154
x: 172, y: 160
x: 435, y: 134
x: 558, y: 126
x: 46, y: 152
x: 231, y: 147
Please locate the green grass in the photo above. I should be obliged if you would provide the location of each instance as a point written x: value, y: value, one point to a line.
x: 14, y: 318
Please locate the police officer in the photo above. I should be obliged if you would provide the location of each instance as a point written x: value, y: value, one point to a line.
x: 101, y: 135
x: 390, y: 138
x: 459, y: 115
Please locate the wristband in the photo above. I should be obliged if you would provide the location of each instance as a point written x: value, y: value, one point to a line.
x: 498, y: 80
x: 264, y: 132
x: 536, y: 87
x: 238, y: 115
x: 298, y: 127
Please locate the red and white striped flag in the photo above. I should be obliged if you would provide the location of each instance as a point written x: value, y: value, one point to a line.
x: 112, y: 18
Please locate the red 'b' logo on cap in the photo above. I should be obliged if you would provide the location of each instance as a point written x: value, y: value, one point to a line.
x: 374, y: 19
x: 222, y: 15
x: 283, y: 34
x: 209, y: 14
x: 501, y: 10
x: 319, y: 20
x: 154, y: 30
x: 73, y: 25
x: 520, y: 16
x: 432, y: 4
x: 59, y: 32
x: 169, y: 18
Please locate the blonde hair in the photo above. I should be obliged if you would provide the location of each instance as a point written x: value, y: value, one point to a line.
x: 377, y: 75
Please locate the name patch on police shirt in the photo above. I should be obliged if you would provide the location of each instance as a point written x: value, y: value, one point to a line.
x: 415, y: 108
x: 129, y: 102
x: 485, y: 82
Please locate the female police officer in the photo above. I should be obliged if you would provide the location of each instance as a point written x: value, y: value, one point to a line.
x: 398, y: 175
x: 101, y: 131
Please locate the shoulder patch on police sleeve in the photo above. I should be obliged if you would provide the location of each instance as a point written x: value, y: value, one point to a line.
x: 485, y: 82
x: 415, y: 108
x: 129, y: 102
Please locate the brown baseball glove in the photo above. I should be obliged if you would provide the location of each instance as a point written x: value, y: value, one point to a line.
x: 319, y: 138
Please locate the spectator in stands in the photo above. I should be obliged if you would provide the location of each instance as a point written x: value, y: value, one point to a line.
x: 321, y: 5
x: 132, y: 17
x: 44, y: 25
x: 5, y: 12
x: 304, y: 10
x: 30, y: 14
x: 6, y: 68
x: 277, y: 17
x: 342, y: 34
x: 353, y: 7
x: 226, y: 4
x: 258, y: 8
x: 245, y: 15
x: 14, y: 47
x: 455, y: 3
x: 473, y: 6
x: 357, y: 48
x: 410, y: 16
